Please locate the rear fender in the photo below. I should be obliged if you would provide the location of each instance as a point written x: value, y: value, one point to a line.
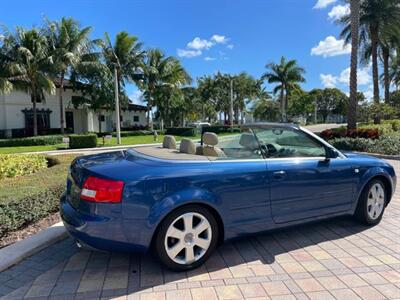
x: 187, y: 196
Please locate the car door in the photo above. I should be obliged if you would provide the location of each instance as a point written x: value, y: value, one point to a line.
x: 303, y: 183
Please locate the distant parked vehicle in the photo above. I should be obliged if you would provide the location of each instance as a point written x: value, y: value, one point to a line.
x: 185, y: 202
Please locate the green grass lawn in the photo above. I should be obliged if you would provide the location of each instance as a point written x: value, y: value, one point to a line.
x: 130, y: 140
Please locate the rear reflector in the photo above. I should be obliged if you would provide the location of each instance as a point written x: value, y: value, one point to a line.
x: 102, y: 190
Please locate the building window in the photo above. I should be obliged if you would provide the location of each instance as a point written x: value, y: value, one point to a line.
x: 135, y: 118
x: 43, y: 118
x: 102, y: 118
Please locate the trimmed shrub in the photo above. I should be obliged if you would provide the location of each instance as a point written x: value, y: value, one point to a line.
x: 217, y: 129
x: 367, y: 133
x: 389, y: 145
x: 29, y: 198
x: 181, y: 131
x: 77, y: 141
x: 18, y: 165
x: 32, y: 141
x: 134, y: 133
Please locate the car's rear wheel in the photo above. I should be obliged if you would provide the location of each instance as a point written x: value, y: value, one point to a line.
x: 186, y: 237
x: 372, y: 202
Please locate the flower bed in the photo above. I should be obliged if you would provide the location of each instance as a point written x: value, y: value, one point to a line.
x: 18, y: 165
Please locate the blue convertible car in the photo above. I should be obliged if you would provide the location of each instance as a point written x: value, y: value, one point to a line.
x: 183, y: 201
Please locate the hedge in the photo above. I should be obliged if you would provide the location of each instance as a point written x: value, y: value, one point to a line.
x: 368, y: 133
x: 181, y: 131
x: 29, y: 198
x: 32, y: 141
x: 77, y: 141
x: 389, y: 145
x: 220, y: 129
x: 18, y: 165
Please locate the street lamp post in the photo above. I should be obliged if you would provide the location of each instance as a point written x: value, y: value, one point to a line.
x: 117, y: 116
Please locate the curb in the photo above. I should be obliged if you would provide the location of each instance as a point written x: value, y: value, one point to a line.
x: 16, y: 252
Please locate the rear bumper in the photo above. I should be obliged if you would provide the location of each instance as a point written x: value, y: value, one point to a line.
x: 103, y: 233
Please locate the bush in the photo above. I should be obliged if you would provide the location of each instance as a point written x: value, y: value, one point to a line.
x: 217, y: 129
x: 77, y: 141
x: 134, y: 133
x: 31, y: 197
x: 18, y: 165
x: 32, y: 141
x: 181, y: 131
x: 389, y: 145
x: 367, y: 133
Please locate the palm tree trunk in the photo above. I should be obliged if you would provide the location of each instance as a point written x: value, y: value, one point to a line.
x: 375, y: 75
x: 283, y: 114
x: 355, y: 23
x: 149, y: 126
x: 386, y: 55
x: 35, y: 127
x: 62, y: 114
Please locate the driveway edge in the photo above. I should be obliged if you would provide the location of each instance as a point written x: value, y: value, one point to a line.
x: 16, y: 252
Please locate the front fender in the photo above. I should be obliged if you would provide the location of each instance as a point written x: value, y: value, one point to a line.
x: 187, y: 196
x: 367, y: 176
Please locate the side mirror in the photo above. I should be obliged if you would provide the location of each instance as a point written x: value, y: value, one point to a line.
x: 330, y: 153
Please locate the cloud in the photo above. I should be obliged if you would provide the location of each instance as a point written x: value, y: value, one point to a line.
x: 339, y: 11
x: 208, y: 58
x: 199, y: 44
x: 331, y: 47
x: 363, y: 76
x: 219, y: 39
x: 230, y: 46
x: 136, y: 97
x: 188, y: 53
x: 328, y: 80
x: 323, y: 3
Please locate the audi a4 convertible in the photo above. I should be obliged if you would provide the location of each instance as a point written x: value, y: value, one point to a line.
x: 184, y: 199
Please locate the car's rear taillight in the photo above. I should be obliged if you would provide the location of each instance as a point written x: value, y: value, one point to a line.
x: 102, y: 190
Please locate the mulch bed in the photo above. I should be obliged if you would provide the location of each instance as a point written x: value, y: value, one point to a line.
x: 29, y: 230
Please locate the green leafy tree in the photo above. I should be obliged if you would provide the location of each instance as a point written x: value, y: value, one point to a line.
x: 286, y: 75
x: 29, y: 63
x: 160, y: 71
x: 69, y: 46
x: 329, y: 101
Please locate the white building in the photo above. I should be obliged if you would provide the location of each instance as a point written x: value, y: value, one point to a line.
x: 16, y: 115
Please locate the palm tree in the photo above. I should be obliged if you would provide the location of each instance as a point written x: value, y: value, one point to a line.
x: 124, y: 58
x: 355, y: 21
x: 31, y: 64
x: 373, y: 15
x: 69, y: 44
x: 288, y: 75
x: 160, y: 71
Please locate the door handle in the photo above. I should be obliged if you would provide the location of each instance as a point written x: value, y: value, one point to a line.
x: 279, y: 175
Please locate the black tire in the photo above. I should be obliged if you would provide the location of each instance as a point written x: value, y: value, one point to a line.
x: 361, y: 212
x: 159, y: 242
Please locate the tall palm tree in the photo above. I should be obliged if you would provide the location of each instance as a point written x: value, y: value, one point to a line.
x: 160, y: 71
x: 68, y: 45
x: 287, y: 75
x: 373, y: 15
x: 31, y: 64
x: 123, y: 58
x: 355, y: 22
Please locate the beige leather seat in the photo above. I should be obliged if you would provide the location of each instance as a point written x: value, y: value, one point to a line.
x: 187, y: 146
x: 169, y: 142
x: 248, y: 141
x: 210, y: 140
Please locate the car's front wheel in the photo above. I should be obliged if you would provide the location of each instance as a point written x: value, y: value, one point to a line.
x: 186, y: 237
x: 372, y: 202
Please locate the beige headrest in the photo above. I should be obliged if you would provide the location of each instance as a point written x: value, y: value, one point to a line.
x: 248, y: 140
x: 169, y: 142
x: 210, y: 138
x: 187, y: 146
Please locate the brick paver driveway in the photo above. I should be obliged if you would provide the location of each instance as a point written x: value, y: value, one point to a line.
x: 333, y: 259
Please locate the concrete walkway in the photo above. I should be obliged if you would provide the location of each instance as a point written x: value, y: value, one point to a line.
x: 335, y: 259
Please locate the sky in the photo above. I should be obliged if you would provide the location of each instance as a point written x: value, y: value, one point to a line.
x: 219, y: 35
